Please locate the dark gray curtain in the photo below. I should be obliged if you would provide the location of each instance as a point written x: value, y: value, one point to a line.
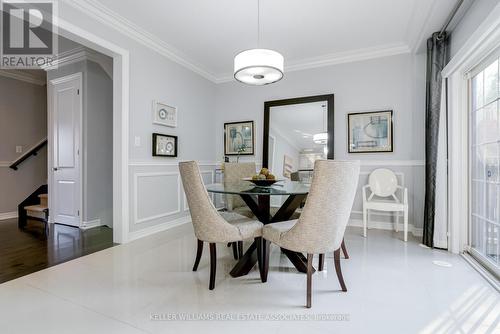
x: 437, y: 57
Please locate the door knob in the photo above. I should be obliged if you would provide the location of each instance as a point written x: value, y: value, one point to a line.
x: 55, y: 168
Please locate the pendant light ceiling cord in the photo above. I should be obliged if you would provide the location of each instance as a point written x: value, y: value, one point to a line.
x: 258, y: 23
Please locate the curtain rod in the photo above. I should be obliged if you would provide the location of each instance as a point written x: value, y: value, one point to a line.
x: 451, y: 16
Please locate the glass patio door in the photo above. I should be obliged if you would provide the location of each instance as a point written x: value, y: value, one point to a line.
x: 484, y: 141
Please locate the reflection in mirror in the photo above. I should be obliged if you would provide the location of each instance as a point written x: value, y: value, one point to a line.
x: 297, y: 138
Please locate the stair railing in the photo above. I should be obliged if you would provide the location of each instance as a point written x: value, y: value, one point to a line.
x: 31, y: 152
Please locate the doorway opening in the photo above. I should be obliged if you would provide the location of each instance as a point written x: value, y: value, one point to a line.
x: 57, y: 163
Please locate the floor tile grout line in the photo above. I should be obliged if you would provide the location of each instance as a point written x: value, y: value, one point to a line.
x: 86, y: 307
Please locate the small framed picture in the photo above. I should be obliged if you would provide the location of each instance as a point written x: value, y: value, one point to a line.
x: 370, y: 132
x: 164, y: 145
x: 164, y: 114
x: 239, y: 138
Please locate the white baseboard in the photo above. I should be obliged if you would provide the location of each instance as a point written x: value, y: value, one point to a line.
x: 90, y: 224
x: 8, y: 215
x: 378, y: 225
x: 158, y: 228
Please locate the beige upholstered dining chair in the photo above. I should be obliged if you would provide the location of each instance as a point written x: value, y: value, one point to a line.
x: 235, y: 172
x: 211, y: 226
x: 321, y: 226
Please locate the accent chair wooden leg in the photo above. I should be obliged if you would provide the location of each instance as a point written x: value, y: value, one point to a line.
x: 309, y: 279
x: 344, y: 249
x: 240, y: 249
x: 321, y: 262
x: 235, y: 250
x: 336, y: 259
x: 199, y: 251
x: 265, y: 259
x: 213, y: 265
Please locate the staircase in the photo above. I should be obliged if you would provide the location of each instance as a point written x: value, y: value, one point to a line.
x: 35, y: 207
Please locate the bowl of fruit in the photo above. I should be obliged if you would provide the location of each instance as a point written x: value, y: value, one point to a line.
x: 264, y: 179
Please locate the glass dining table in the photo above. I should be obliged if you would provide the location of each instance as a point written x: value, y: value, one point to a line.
x: 258, y: 199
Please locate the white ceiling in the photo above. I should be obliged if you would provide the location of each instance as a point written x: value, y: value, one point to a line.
x: 298, y: 123
x: 309, y: 33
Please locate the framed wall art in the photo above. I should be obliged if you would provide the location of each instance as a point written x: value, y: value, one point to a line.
x: 239, y: 138
x: 370, y: 132
x: 164, y: 145
x: 164, y: 114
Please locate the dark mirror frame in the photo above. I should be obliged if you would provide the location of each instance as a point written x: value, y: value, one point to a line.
x: 298, y: 100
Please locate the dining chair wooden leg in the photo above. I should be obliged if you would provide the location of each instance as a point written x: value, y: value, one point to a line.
x: 240, y: 249
x: 321, y: 262
x: 199, y: 250
x: 213, y: 265
x: 235, y: 250
x: 336, y: 259
x: 265, y: 259
x: 344, y: 249
x: 309, y: 279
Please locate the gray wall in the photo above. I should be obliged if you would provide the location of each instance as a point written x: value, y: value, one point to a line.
x: 156, y: 197
x: 396, y: 83
x: 97, y: 146
x: 23, y: 122
x: 474, y: 16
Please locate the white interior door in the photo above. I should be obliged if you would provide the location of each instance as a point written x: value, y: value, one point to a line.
x: 66, y: 110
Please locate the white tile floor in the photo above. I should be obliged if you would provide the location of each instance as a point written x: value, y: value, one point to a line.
x: 393, y: 287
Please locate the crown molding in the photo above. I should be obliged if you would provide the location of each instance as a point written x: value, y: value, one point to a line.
x: 67, y: 57
x: 416, y: 34
x: 110, y: 18
x: 22, y: 76
x: 79, y: 54
x: 339, y: 58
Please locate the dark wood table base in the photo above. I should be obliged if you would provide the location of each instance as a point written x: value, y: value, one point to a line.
x: 260, y: 207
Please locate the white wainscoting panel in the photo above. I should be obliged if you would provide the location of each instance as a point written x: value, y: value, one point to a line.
x: 156, y: 195
x: 159, y: 203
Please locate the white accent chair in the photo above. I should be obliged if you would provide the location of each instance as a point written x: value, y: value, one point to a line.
x: 383, y: 186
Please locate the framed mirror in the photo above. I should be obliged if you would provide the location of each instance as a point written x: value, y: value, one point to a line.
x: 297, y: 132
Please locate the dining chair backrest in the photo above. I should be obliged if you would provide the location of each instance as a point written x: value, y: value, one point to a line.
x: 207, y: 222
x: 383, y: 182
x: 234, y: 172
x: 324, y: 218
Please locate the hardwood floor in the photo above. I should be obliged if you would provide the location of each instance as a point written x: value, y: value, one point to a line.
x: 25, y: 251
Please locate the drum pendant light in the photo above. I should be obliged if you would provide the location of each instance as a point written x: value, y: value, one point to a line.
x: 258, y: 66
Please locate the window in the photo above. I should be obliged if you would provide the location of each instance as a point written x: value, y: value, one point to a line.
x: 484, y: 162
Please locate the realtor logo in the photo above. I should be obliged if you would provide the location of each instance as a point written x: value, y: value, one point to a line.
x: 28, y: 38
